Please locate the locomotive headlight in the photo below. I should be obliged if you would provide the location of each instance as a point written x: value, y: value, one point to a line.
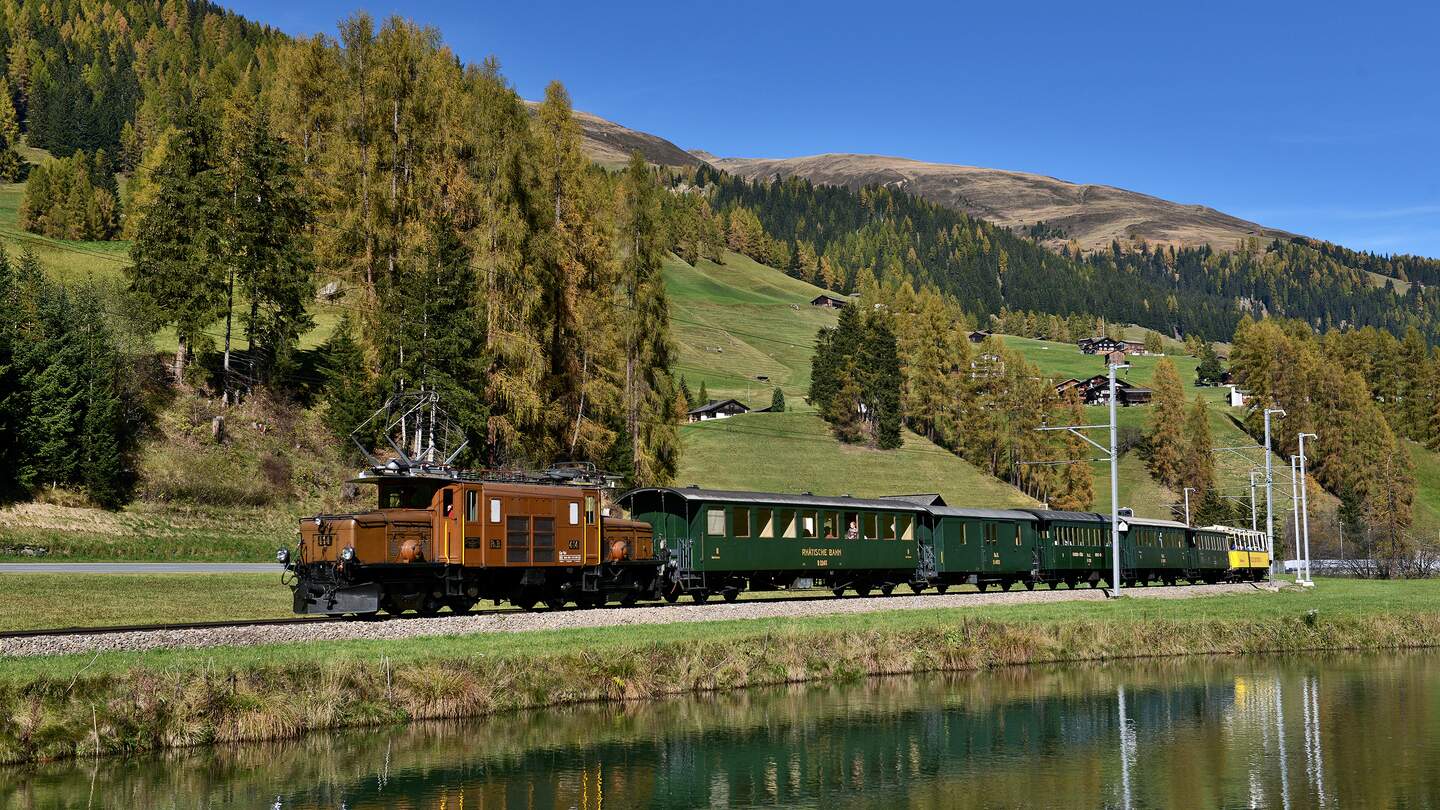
x: 283, y: 556
x: 347, y: 554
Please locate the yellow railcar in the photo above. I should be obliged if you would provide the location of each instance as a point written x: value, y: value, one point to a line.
x: 1249, y: 559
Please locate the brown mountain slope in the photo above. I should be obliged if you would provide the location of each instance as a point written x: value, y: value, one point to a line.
x: 1093, y: 215
x: 610, y: 144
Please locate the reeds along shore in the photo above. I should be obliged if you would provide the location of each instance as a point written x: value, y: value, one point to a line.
x: 149, y: 708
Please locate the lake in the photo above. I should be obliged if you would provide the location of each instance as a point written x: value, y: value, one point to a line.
x: 1285, y: 732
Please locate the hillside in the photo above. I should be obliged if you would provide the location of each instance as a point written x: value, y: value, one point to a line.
x: 611, y: 144
x: 1093, y: 215
x: 795, y: 452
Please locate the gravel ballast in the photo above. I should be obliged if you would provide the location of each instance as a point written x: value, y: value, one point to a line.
x: 193, y: 638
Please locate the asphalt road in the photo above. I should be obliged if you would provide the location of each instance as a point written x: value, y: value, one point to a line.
x: 139, y: 568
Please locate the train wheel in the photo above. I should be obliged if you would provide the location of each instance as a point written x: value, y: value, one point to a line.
x: 461, y: 606
x: 1006, y: 584
x: 863, y: 590
x: 840, y: 591
x: 730, y: 594
x: 555, y: 603
x: 917, y: 587
x: 1029, y: 584
x: 887, y: 589
x: 700, y: 597
x: 942, y: 588
x: 672, y: 596
x: 981, y: 586
x: 629, y: 600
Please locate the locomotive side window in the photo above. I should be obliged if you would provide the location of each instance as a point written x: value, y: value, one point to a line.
x: 494, y: 510
x: 574, y: 513
x: 715, y: 521
x: 740, y: 522
x: 517, y: 539
x: 764, y: 526
x: 472, y: 505
x: 544, y: 539
x: 590, y: 509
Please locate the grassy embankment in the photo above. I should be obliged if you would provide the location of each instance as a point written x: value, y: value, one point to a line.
x: 116, y: 702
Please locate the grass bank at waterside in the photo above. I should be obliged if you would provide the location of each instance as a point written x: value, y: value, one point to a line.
x: 111, y: 703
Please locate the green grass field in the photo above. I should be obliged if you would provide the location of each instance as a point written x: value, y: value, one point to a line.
x: 741, y: 320
x: 34, y: 601
x: 145, y: 531
x: 795, y: 452
x: 1332, y: 598
x: 1062, y: 360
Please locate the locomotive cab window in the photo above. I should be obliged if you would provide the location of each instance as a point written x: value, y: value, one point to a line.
x: 472, y: 505
x: 574, y: 513
x: 590, y: 510
x: 494, y: 510
x: 447, y: 500
x: 715, y: 521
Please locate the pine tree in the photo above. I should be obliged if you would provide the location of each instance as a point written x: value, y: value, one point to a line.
x: 1076, y: 490
x: 265, y: 237
x: 881, y: 381
x: 14, y: 399
x: 777, y: 401
x: 107, y: 436
x: 1210, y: 370
x: 10, y: 163
x: 347, y: 393
x: 178, y: 265
x: 685, y: 395
x: 704, y: 396
x: 1199, y: 464
x: 1166, y: 435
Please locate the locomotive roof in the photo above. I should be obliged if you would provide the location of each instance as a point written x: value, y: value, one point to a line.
x: 996, y: 514
x: 773, y: 498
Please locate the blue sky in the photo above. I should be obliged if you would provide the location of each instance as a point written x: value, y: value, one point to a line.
x: 1320, y: 119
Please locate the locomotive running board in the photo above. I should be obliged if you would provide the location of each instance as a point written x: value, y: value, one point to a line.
x: 355, y: 599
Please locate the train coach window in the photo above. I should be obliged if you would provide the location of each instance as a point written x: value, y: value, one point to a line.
x: 494, y: 510
x: 472, y: 505
x: 868, y: 527
x: 852, y: 525
x: 715, y: 522
x: 787, y: 524
x: 807, y: 525
x: 831, y: 521
x: 574, y: 513
x: 905, y: 527
x: 764, y: 526
x: 990, y: 532
x: 887, y: 527
x: 740, y: 522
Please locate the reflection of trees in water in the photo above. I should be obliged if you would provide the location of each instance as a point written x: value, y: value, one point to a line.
x: 1203, y: 733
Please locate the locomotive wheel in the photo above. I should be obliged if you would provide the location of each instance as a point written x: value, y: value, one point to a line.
x: 525, y: 603
x: 700, y: 597
x: 629, y: 599
x: 461, y: 606
x: 942, y: 588
x: 429, y: 607
x: 730, y: 594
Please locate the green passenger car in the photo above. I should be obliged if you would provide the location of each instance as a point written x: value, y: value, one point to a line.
x: 1156, y: 550
x: 982, y: 547
x: 723, y: 541
x: 1074, y: 547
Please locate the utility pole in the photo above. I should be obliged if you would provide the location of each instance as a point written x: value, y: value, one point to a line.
x: 1295, y: 509
x: 1188, y: 490
x: 1305, y: 510
x: 1270, y: 490
x: 1113, y: 453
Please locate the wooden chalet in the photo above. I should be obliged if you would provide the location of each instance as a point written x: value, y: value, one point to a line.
x: 978, y: 336
x: 1105, y: 345
x: 717, y: 409
x: 1096, y: 391
x: 828, y: 301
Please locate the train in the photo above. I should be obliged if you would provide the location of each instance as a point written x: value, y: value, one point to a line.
x: 444, y: 539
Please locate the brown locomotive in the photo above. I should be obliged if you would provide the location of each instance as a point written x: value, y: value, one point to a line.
x: 445, y: 538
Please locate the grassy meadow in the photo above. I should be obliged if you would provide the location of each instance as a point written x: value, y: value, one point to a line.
x: 795, y: 452
x: 36, y: 601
